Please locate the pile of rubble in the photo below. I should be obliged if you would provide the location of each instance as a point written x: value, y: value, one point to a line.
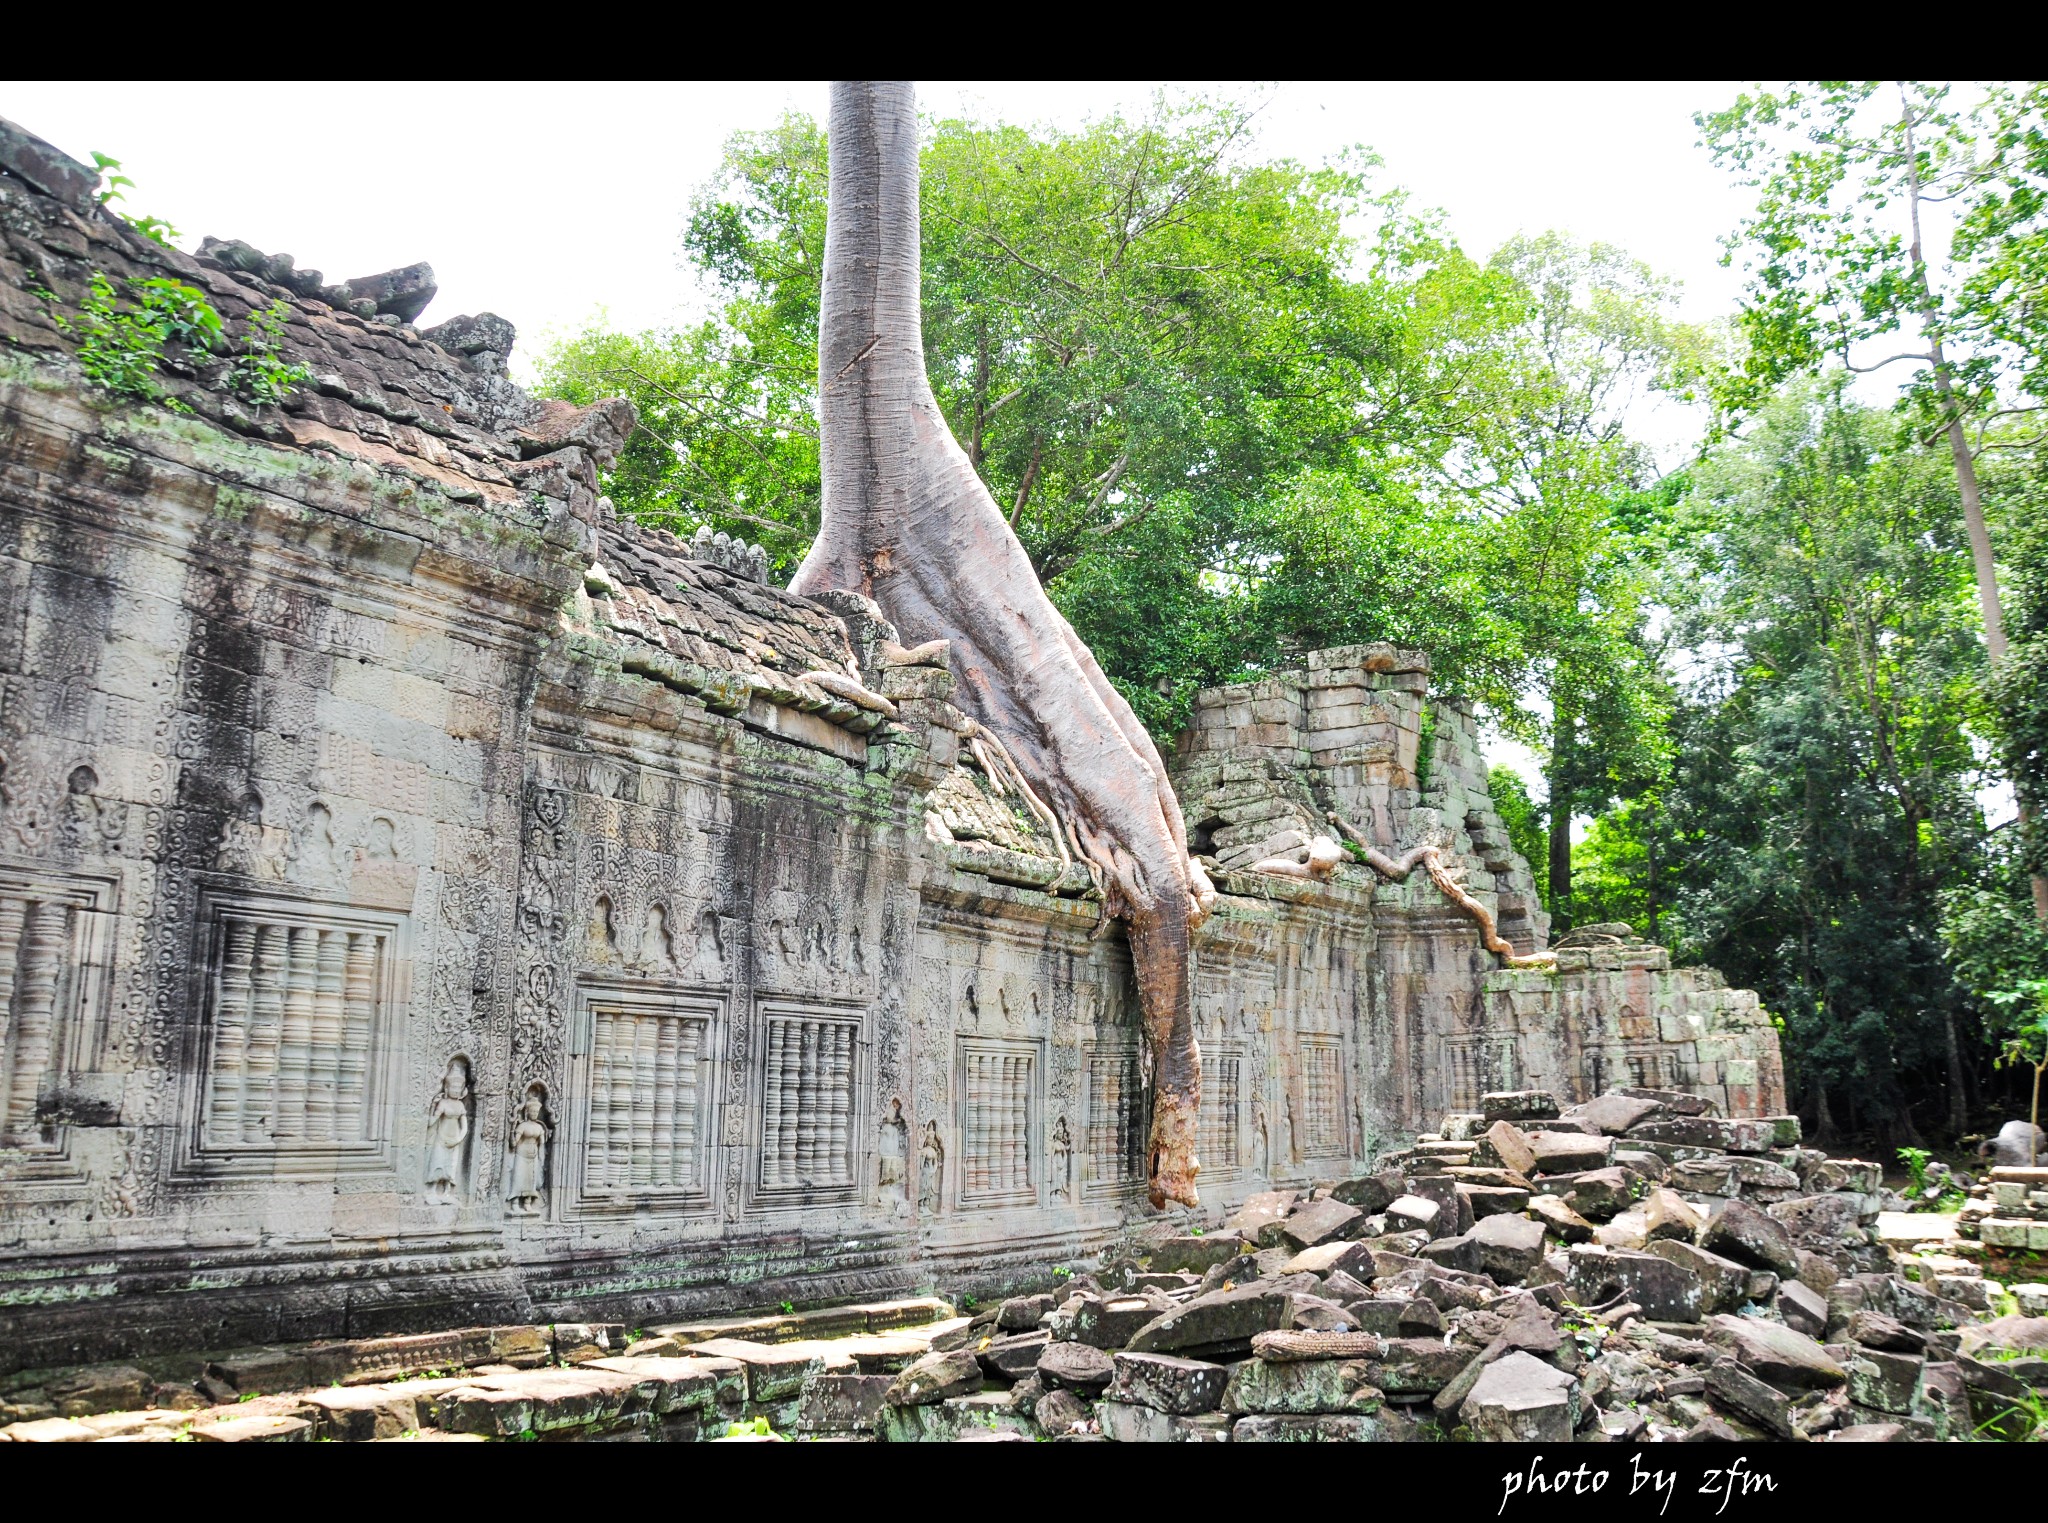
x: 2008, y: 1210
x: 1633, y: 1269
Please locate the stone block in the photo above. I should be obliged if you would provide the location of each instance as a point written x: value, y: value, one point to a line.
x: 774, y: 1370
x: 841, y: 1403
x: 1736, y: 1390
x: 1560, y: 1219
x: 1219, y: 1323
x: 1332, y: 1258
x: 1075, y: 1367
x: 1347, y: 1429
x: 1180, y: 1387
x: 1196, y: 1254
x: 934, y: 1378
x: 1519, y: 1105
x: 1569, y: 1152
x: 1300, y: 1386
x: 1319, y: 1221
x: 1135, y: 1423
x: 1520, y: 1399
x: 1741, y: 1232
x: 1775, y: 1353
x: 1509, y: 1246
x: 268, y: 1428
x: 359, y: 1414
x: 1724, y: 1284
x: 1666, y: 1291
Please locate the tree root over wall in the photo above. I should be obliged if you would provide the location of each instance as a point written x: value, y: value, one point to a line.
x: 908, y: 523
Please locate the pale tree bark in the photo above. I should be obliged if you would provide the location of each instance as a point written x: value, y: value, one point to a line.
x: 908, y: 523
x: 1981, y: 558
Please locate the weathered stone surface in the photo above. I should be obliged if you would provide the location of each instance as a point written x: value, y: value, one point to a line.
x: 1181, y: 1387
x: 1600, y: 1194
x: 1510, y: 1147
x: 1724, y: 1136
x: 1131, y: 1423
x: 1569, y: 1152
x: 1306, y: 1430
x: 1804, y: 1309
x: 1667, y: 1214
x: 1520, y: 1399
x: 1614, y: 1113
x: 1062, y: 1411
x: 1884, y: 1381
x: 358, y: 1414
x: 934, y: 1378
x: 1370, y: 1193
x: 1021, y: 1313
x: 1015, y: 1356
x: 1775, y: 1353
x: 1412, y: 1213
x: 1560, y: 1219
x: 1221, y: 1322
x: 1104, y: 1321
x: 1666, y: 1291
x: 1332, y: 1259
x: 1075, y: 1367
x: 1196, y: 1254
x: 1301, y: 1386
x: 1741, y: 1232
x: 1724, y: 1284
x: 1742, y: 1393
x: 841, y: 1403
x: 1518, y: 1105
x: 1509, y: 1246
x: 1319, y: 1221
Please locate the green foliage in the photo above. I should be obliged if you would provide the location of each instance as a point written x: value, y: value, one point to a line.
x: 121, y: 345
x: 258, y: 373
x: 1915, y: 1160
x: 1822, y: 795
x: 758, y: 1428
x: 112, y: 188
x: 1519, y: 813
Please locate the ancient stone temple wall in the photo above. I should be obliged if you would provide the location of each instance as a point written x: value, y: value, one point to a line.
x: 426, y: 899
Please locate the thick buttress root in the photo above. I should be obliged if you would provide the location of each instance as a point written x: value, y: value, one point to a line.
x: 908, y: 523
x: 1433, y: 863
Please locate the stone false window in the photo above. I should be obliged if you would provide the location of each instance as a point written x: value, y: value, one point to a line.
x: 50, y: 967
x: 643, y: 1134
x: 1116, y: 1120
x: 1218, y: 1124
x: 298, y: 1032
x: 807, y: 1102
x: 1322, y: 1085
x: 998, y: 1131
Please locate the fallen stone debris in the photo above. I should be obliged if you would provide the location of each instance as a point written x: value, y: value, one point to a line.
x: 1633, y: 1269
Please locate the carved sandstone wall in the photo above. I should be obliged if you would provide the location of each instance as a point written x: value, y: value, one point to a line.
x: 426, y: 899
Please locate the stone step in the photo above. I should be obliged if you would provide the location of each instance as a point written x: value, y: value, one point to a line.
x: 821, y: 1322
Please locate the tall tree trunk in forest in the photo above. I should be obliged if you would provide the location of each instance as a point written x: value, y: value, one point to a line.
x: 1560, y: 865
x: 1982, y: 562
x: 1958, y: 1103
x: 908, y: 523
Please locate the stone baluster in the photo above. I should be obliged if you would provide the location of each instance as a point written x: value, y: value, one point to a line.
x: 231, y: 1034
x: 646, y: 1044
x: 807, y: 1107
x: 792, y: 1100
x: 667, y: 1038
x: 686, y: 1105
x: 358, y: 1006
x: 295, y: 1046
x: 771, y: 1131
x: 323, y: 1082
x: 35, y: 1015
x: 839, y: 1103
x: 266, y: 1029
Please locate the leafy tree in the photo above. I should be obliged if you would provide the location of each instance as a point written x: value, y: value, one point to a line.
x: 1822, y: 793
x: 1550, y: 465
x: 1140, y: 335
x: 1848, y: 176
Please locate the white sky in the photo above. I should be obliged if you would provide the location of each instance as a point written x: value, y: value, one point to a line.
x: 550, y: 203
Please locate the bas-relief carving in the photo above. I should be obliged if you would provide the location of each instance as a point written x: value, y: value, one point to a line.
x: 448, y: 1136
x: 892, y: 1153
x: 931, y: 1171
x: 526, y: 1174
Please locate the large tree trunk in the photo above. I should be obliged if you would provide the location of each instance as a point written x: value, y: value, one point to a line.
x: 1559, y: 872
x: 908, y: 523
